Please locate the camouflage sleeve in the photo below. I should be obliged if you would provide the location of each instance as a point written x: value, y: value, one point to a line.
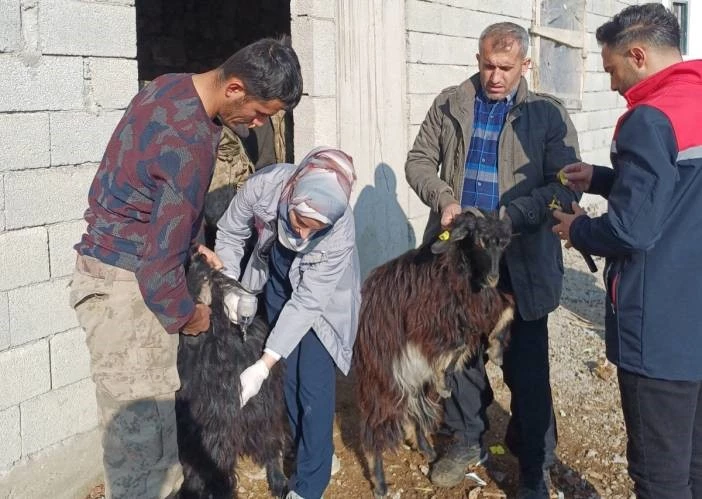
x: 181, y: 180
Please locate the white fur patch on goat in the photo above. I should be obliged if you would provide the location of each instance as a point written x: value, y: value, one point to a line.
x: 411, y: 371
x: 505, y: 319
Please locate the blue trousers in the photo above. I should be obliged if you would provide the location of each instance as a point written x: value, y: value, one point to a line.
x: 310, y: 389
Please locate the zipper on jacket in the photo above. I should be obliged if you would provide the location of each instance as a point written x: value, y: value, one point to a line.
x: 612, y: 278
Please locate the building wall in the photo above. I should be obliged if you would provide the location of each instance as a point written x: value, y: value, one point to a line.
x: 69, y: 70
x: 694, y: 30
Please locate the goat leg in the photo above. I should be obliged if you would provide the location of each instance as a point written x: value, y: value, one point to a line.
x: 380, y: 489
x: 276, y: 477
x: 424, y: 446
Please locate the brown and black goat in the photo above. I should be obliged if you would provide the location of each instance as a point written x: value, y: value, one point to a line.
x: 213, y: 429
x: 422, y: 314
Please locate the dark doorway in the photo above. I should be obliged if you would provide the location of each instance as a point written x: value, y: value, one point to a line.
x: 175, y: 36
x: 193, y: 36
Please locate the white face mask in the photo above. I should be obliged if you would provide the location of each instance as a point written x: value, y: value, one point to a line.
x: 240, y: 306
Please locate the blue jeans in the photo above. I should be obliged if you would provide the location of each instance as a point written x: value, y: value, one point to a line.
x: 664, y: 429
x: 310, y: 389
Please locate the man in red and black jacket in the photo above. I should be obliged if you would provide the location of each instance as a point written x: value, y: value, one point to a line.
x: 650, y: 236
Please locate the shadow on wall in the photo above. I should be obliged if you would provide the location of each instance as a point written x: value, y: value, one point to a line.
x: 382, y: 229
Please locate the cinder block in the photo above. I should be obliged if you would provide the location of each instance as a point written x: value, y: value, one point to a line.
x: 11, y: 448
x: 419, y: 105
x: 40, y: 310
x: 113, y: 81
x: 4, y: 322
x: 325, y: 126
x: 428, y: 17
x: 24, y: 372
x: 80, y: 137
x: 25, y: 141
x: 313, y: 8
x: 62, y: 238
x: 24, y: 257
x: 70, y: 359
x: 2, y: 202
x: 58, y: 414
x: 56, y: 195
x: 315, y: 43
x: 464, y: 21
x: 33, y: 83
x: 596, y: 82
x: 315, y: 124
x: 433, y: 78
x: 10, y: 32
x: 70, y: 27
x: 430, y: 48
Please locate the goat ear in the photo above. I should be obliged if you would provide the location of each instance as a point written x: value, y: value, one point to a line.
x: 456, y: 234
x: 440, y: 247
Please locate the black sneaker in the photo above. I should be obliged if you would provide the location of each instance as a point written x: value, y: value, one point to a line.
x: 450, y: 470
x: 539, y: 488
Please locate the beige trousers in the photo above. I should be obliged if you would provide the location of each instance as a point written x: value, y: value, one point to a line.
x: 133, y: 365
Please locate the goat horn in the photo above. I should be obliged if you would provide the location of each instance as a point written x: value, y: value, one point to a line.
x: 503, y: 212
x: 474, y: 211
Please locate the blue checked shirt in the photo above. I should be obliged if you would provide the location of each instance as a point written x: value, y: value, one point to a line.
x: 480, y: 186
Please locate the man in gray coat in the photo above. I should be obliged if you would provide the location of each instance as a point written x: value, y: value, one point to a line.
x: 490, y: 142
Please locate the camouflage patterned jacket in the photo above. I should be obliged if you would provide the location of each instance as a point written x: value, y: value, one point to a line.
x: 146, y: 201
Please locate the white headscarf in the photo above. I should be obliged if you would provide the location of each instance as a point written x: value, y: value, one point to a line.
x: 319, y: 189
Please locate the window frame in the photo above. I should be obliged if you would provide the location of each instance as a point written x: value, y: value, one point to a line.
x: 571, y: 38
x: 683, y: 21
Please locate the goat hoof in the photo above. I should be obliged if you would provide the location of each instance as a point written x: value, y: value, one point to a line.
x: 378, y: 495
x: 430, y: 456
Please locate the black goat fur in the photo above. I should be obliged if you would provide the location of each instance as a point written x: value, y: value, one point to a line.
x: 213, y: 430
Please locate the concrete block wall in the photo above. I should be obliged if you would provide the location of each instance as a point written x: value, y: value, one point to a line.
x: 69, y: 71
x: 313, y: 33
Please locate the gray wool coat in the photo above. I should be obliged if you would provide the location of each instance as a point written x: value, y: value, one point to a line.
x: 325, y: 278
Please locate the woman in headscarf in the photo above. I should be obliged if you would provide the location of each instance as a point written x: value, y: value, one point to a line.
x: 306, y: 263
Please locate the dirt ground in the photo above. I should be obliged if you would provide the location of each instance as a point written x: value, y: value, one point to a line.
x: 591, y: 447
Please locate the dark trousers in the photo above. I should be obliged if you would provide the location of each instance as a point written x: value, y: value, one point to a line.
x: 310, y: 393
x: 664, y: 429
x: 310, y: 389
x: 531, y: 432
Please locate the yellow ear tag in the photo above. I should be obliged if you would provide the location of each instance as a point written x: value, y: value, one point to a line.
x: 562, y: 177
x: 444, y: 236
x: 555, y: 204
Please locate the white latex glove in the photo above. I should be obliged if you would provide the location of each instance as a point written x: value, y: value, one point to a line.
x: 251, y: 380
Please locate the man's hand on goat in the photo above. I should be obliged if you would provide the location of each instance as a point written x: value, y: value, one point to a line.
x: 562, y: 228
x: 251, y: 380
x: 199, y: 322
x: 210, y: 257
x: 449, y: 213
x: 577, y: 176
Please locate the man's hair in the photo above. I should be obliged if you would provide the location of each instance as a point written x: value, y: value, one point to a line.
x: 269, y: 69
x: 503, y: 35
x: 649, y: 23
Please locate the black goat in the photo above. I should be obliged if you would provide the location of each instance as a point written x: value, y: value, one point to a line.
x: 422, y: 314
x: 213, y: 430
